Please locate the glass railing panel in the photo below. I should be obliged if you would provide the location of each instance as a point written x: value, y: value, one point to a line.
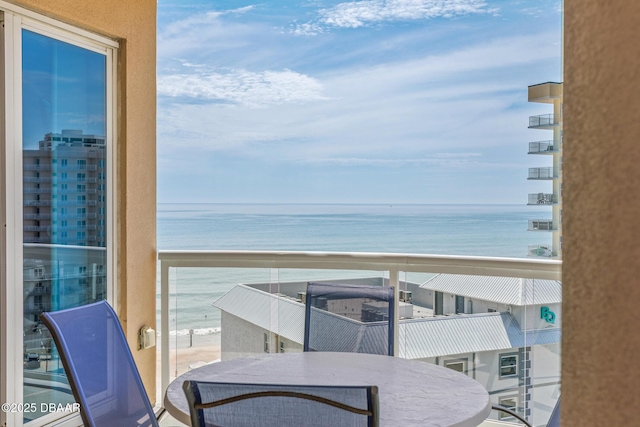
x: 503, y: 332
x: 225, y: 313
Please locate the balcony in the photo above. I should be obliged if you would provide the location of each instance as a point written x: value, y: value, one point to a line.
x: 464, y: 312
x: 540, y: 251
x: 543, y: 121
x: 546, y: 173
x: 542, y: 225
x: 544, y: 147
x: 542, y: 199
x: 36, y: 179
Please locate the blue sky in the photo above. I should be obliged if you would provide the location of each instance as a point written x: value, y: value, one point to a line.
x: 398, y: 101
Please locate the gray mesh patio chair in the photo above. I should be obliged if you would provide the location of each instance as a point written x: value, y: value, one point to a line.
x: 273, y: 405
x: 99, y: 366
x: 349, y: 318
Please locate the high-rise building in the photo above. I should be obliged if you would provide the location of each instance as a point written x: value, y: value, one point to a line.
x: 548, y: 93
x: 64, y: 207
x: 65, y: 190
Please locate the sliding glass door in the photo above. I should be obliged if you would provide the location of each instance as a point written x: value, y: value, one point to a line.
x: 58, y: 146
x: 64, y: 198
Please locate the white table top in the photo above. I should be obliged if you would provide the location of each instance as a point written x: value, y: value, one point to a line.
x: 411, y: 393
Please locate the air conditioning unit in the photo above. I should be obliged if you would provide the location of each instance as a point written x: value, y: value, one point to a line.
x: 405, y: 296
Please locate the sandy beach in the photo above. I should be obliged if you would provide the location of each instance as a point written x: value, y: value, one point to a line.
x: 205, y: 349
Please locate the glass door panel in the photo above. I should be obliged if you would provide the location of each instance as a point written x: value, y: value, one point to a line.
x: 64, y: 148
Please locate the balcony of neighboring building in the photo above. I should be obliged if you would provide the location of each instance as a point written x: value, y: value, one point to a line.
x: 545, y: 92
x: 543, y: 121
x: 540, y: 251
x: 544, y: 173
x: 542, y: 225
x: 542, y: 199
x: 544, y: 147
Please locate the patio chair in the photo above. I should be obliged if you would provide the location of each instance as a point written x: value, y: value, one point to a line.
x: 500, y: 408
x: 349, y: 318
x: 99, y: 366
x: 554, y: 420
x: 274, y: 405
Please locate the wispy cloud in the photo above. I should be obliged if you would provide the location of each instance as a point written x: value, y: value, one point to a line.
x: 358, y: 14
x: 242, y: 87
x: 439, y: 159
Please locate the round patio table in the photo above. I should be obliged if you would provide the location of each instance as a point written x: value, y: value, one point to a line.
x: 411, y: 393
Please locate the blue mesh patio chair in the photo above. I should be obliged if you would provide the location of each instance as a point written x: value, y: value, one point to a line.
x: 274, y: 405
x: 554, y: 420
x: 99, y: 366
x: 349, y: 318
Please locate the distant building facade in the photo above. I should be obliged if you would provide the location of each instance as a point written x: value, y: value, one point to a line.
x: 64, y: 208
x: 549, y: 93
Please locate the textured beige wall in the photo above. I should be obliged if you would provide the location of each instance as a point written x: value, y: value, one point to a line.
x: 601, y: 218
x: 133, y: 24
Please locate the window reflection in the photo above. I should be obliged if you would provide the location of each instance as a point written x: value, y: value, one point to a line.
x: 64, y: 199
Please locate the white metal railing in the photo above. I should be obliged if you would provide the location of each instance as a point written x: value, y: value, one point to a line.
x: 544, y: 147
x: 543, y: 173
x: 542, y: 120
x: 542, y: 199
x: 389, y: 262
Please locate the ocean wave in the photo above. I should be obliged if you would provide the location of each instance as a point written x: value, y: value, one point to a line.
x: 201, y: 331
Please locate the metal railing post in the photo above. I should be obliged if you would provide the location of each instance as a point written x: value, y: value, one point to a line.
x: 395, y: 282
x: 164, y: 325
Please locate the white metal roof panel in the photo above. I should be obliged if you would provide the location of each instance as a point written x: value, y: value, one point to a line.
x: 504, y: 290
x: 459, y: 334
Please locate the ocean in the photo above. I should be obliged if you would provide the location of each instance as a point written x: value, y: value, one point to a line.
x: 481, y: 230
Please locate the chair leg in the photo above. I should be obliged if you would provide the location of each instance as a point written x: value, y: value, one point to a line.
x: 510, y: 412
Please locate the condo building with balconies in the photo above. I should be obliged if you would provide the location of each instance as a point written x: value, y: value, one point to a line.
x: 547, y: 93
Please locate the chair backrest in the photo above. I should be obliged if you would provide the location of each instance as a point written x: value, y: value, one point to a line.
x: 276, y: 405
x: 99, y: 366
x: 349, y: 318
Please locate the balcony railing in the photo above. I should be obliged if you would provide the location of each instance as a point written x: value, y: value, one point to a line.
x: 543, y: 147
x: 281, y: 309
x: 542, y: 199
x: 541, y: 225
x: 543, y: 121
x: 543, y: 173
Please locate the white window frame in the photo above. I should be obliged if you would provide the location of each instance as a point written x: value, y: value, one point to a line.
x: 505, y: 355
x: 464, y: 361
x: 504, y: 416
x: 15, y: 19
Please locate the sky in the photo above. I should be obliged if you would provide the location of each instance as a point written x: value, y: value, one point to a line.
x: 371, y: 101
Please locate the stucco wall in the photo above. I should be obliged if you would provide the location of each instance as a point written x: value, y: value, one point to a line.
x: 601, y: 218
x: 133, y: 24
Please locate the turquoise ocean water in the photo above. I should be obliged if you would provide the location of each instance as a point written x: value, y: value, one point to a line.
x: 481, y: 230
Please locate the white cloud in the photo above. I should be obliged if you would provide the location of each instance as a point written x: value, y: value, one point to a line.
x: 358, y: 14
x: 451, y: 103
x: 246, y: 88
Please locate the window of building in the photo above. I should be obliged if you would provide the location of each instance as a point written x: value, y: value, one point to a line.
x: 458, y: 365
x: 266, y: 343
x: 509, y: 402
x: 508, y: 365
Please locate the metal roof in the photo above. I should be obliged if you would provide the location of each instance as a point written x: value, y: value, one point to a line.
x: 459, y: 334
x: 255, y: 306
x: 419, y: 338
x: 504, y: 290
